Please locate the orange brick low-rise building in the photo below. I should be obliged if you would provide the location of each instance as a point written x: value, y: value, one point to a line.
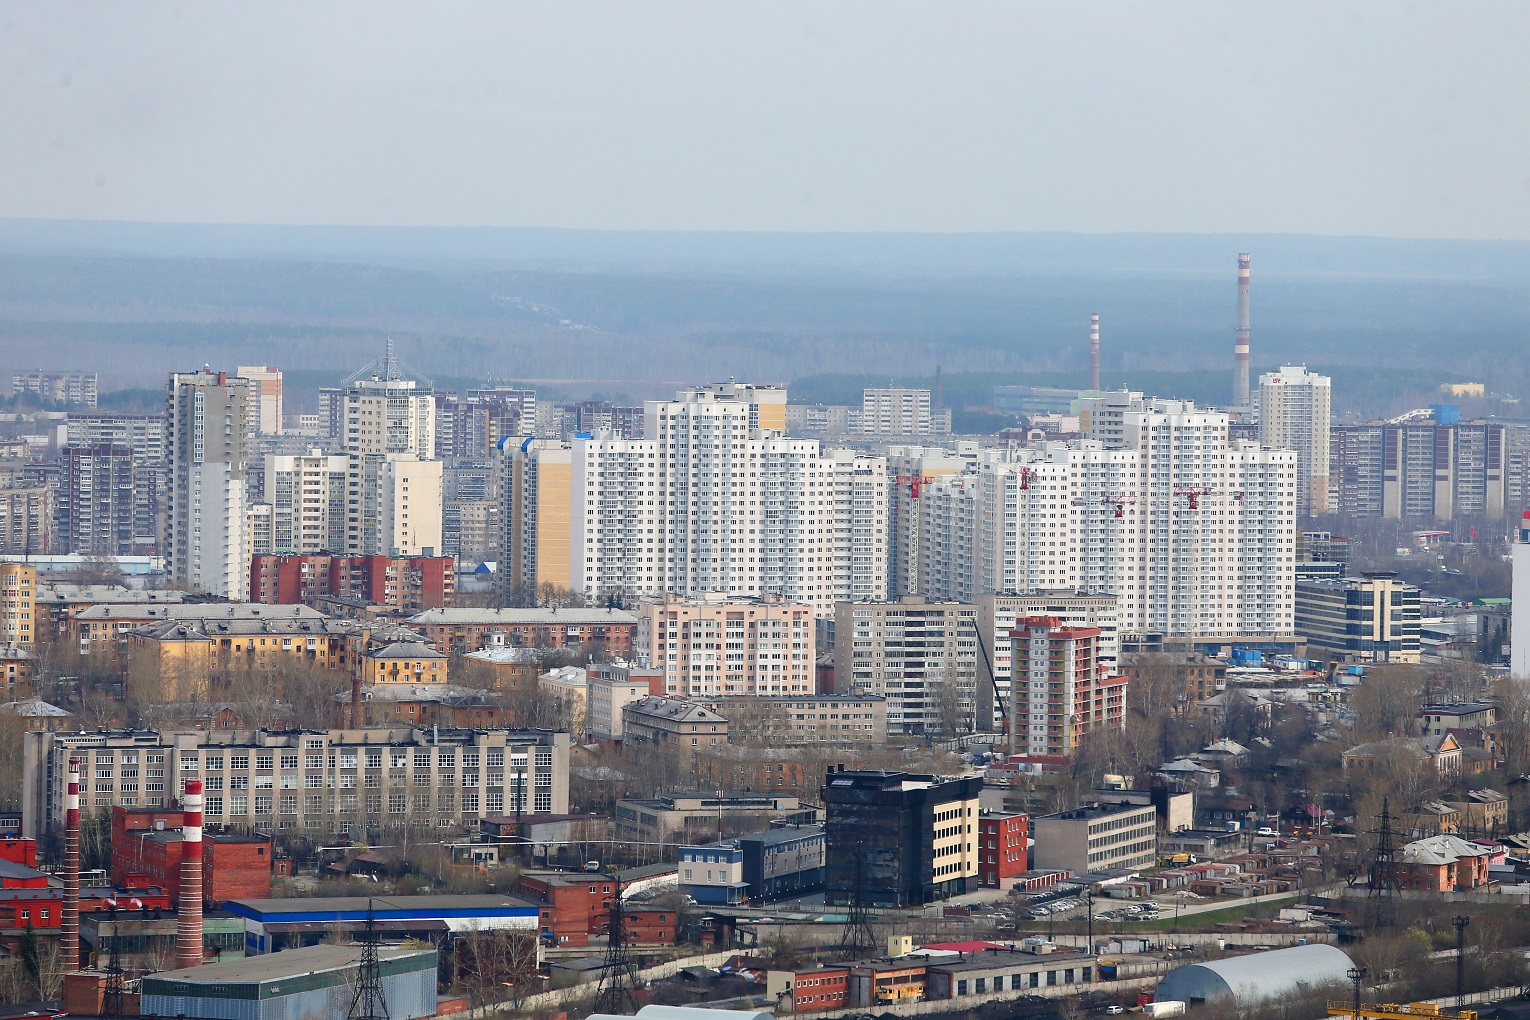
x: 412, y: 583
x: 1443, y: 864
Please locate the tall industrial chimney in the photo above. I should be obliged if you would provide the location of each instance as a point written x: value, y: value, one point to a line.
x: 188, y: 925
x: 1094, y: 352
x: 1240, y: 396
x: 69, y: 916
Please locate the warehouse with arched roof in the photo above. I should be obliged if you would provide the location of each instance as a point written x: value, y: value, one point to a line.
x: 1257, y: 977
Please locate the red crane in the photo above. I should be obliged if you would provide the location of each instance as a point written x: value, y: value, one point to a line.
x: 1193, y: 494
x: 913, y: 482
x: 1026, y: 474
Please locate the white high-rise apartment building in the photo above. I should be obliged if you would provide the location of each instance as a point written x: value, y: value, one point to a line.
x: 1194, y: 534
x: 307, y: 493
x: 1294, y: 412
x: 389, y: 432
x: 715, y: 500
x: 404, y: 492
x: 895, y: 411
x: 265, y: 402
x: 206, y: 546
x: 910, y: 469
x: 1212, y: 549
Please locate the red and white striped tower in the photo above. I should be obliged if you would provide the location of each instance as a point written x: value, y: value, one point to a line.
x: 69, y: 917
x: 1240, y: 393
x: 188, y: 926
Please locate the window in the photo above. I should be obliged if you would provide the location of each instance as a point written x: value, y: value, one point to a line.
x: 396, y: 803
x: 239, y: 761
x: 262, y: 804
x: 289, y: 761
x: 544, y: 802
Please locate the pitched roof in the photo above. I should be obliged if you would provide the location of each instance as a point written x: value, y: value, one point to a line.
x: 672, y: 708
x: 1438, y: 850
x: 490, y: 617
x: 406, y: 650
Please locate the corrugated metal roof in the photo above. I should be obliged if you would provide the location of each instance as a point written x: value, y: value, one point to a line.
x: 1257, y: 977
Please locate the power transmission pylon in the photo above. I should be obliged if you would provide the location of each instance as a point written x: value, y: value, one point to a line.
x: 111, y: 996
x: 1384, y: 882
x: 368, y: 1003
x: 618, y: 978
x: 857, y: 933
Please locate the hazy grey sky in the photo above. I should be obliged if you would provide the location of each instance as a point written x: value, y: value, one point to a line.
x: 1384, y: 118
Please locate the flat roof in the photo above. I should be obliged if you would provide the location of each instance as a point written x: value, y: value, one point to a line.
x: 385, y: 908
x: 470, y: 617
x: 286, y: 964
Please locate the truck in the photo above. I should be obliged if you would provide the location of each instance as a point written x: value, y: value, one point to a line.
x: 1169, y: 1007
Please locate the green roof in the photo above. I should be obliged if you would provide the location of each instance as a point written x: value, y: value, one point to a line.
x: 286, y: 973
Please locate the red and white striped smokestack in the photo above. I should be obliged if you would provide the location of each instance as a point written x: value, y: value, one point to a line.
x: 69, y: 917
x: 1240, y: 340
x: 1094, y: 352
x: 188, y: 926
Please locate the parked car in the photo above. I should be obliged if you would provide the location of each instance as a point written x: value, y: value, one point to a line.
x: 1267, y: 831
x: 1114, y: 1010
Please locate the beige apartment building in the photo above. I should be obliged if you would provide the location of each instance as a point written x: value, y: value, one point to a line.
x: 717, y: 646
x: 18, y: 615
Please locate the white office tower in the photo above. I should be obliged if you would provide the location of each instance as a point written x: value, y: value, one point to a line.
x: 265, y: 399
x: 207, y: 549
x: 714, y: 499
x: 1519, y: 619
x: 386, y: 413
x: 307, y: 497
x: 1294, y: 410
x: 910, y: 470
x: 1210, y: 551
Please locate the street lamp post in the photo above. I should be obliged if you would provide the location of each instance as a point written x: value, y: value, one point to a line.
x: 1357, y: 975
x: 1459, y: 922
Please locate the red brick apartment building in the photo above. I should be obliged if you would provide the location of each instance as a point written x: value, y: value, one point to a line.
x: 1003, y: 847
x: 413, y: 583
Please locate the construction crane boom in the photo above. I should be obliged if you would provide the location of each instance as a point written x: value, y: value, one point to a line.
x: 998, y: 697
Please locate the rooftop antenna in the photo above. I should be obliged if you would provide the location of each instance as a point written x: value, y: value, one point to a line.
x: 368, y: 1003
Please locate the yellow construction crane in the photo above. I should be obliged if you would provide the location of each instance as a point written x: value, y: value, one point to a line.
x: 1399, y: 1011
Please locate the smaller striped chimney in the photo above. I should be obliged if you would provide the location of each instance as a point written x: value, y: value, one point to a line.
x: 69, y: 916
x: 188, y: 926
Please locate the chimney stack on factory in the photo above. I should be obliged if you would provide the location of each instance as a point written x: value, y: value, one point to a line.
x: 69, y: 916
x: 1094, y: 352
x: 188, y: 926
x: 1240, y: 395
